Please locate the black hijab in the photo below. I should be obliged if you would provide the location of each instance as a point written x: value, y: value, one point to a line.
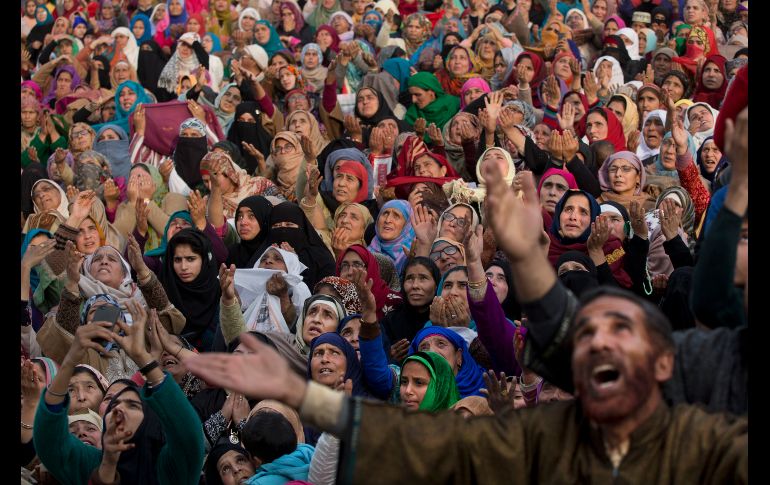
x: 198, y: 300
x: 577, y: 280
x: 254, y: 133
x: 150, y: 64
x: 240, y: 254
x: 188, y: 153
x: 406, y: 320
x: 616, y: 49
x: 232, y: 150
x: 308, y: 245
x: 140, y: 464
x: 332, y: 146
x: 511, y: 307
x: 104, y: 73
x: 383, y: 112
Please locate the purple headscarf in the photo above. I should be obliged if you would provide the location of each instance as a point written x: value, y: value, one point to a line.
x: 52, y: 90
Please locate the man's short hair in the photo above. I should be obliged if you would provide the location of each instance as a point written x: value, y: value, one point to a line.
x: 657, y: 323
x: 268, y: 436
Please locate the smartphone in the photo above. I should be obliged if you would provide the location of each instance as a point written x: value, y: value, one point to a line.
x: 107, y: 313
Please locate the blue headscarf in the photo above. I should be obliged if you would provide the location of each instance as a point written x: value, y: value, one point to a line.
x: 147, y: 36
x: 116, y: 151
x: 376, y: 24
x: 440, y: 289
x: 353, y: 369
x: 715, y: 205
x: 216, y: 44
x: 121, y: 115
x: 175, y: 19
x: 556, y: 224
x: 109, y: 299
x: 161, y: 249
x: 48, y: 18
x: 274, y: 44
x: 34, y: 278
x: 468, y: 377
x: 79, y: 20
x: 393, y: 249
x: 399, y: 69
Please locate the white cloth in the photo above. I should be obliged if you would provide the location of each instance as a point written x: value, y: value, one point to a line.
x: 466, y: 333
x: 126, y: 290
x: 63, y: 208
x: 700, y: 136
x: 644, y: 151
x: 617, y: 71
x: 131, y: 50
x: 217, y: 72
x: 633, y: 49
x: 261, y: 310
x: 323, y: 465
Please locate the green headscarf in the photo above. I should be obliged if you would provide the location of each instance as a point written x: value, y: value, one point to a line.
x: 439, y: 111
x: 321, y: 14
x: 442, y: 390
x: 273, y: 44
x: 153, y: 238
x: 681, y: 42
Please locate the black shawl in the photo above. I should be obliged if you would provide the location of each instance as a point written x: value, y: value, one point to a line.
x: 242, y: 253
x: 254, y: 133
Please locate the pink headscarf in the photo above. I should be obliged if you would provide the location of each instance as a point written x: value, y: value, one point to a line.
x: 617, y: 20
x: 571, y: 182
x: 474, y: 82
x: 35, y: 87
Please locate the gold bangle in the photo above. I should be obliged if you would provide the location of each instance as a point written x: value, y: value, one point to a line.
x: 25, y: 425
x: 303, y: 204
x: 475, y: 285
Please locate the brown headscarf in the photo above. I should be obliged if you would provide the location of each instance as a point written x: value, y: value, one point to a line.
x: 316, y: 137
x: 270, y: 405
x: 287, y: 165
x: 245, y: 185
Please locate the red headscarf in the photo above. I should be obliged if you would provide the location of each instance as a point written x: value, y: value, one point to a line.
x: 571, y: 182
x: 407, y: 8
x: 299, y: 20
x: 201, y: 23
x: 688, y: 60
x: 614, y: 131
x: 540, y: 74
x: 558, y: 57
x: 385, y: 297
x: 335, y: 47
x: 735, y: 100
x: 358, y: 171
x: 413, y: 148
x: 713, y: 97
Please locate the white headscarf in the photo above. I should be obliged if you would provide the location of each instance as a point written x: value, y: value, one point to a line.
x: 131, y: 50
x: 701, y: 135
x: 175, y: 66
x: 127, y: 290
x: 260, y: 56
x: 508, y: 177
x: 586, y: 25
x: 248, y: 12
x: 633, y: 49
x: 617, y: 71
x: 644, y: 151
x: 261, y: 310
x: 63, y: 202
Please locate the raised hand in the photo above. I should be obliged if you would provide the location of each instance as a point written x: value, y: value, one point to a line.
x: 659, y: 283
x: 261, y: 373
x: 377, y: 141
x: 638, y: 222
x: 524, y: 75
x: 364, y: 286
x: 196, y: 204
x: 227, y: 283
x: 459, y: 315
x: 340, y: 237
x: 670, y: 218
x: 552, y: 92
x: 135, y: 258
x: 437, y: 311
x: 507, y: 120
x: 591, y: 87
x: 36, y: 254
x: 314, y: 178
x: 276, y: 285
x: 140, y: 121
x: 467, y: 133
x: 419, y: 126
x: 196, y: 110
x: 600, y: 232
x: 72, y: 193
x: 165, y: 169
x: 566, y: 117
x: 493, y: 103
x: 737, y: 145
x: 512, y: 216
x: 679, y: 134
x: 570, y: 145
x: 32, y: 153
x: 556, y: 145
x: 353, y: 127
x: 399, y: 350
x: 499, y: 392
x: 252, y: 150
x: 32, y: 382
x: 434, y: 133
x: 133, y: 340
x: 425, y: 224
x: 73, y: 261
x: 142, y: 208
x: 60, y: 155
x: 474, y: 246
x: 307, y: 148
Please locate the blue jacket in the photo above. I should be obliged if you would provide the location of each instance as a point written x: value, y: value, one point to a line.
x: 294, y: 466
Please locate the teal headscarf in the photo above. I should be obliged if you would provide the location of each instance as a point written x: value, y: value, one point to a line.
x: 274, y: 44
x: 440, y: 289
x: 442, y: 390
x: 121, y: 115
x: 34, y: 278
x: 399, y: 69
x: 661, y: 170
x: 48, y: 18
x: 216, y: 44
x: 161, y: 250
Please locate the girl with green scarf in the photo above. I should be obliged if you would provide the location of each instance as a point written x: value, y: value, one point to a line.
x: 428, y: 383
x: 429, y: 101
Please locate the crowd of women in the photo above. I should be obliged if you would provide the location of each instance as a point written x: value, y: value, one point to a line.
x: 312, y: 172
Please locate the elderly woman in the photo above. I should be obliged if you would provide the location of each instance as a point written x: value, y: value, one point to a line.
x: 552, y: 186
x: 61, y: 162
x: 429, y: 101
x: 188, y: 56
x: 350, y: 223
x: 653, y: 129
x: 357, y: 257
x: 348, y: 178
x: 394, y: 232
x: 623, y: 178
x: 461, y: 65
x: 50, y: 206
x: 107, y: 274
